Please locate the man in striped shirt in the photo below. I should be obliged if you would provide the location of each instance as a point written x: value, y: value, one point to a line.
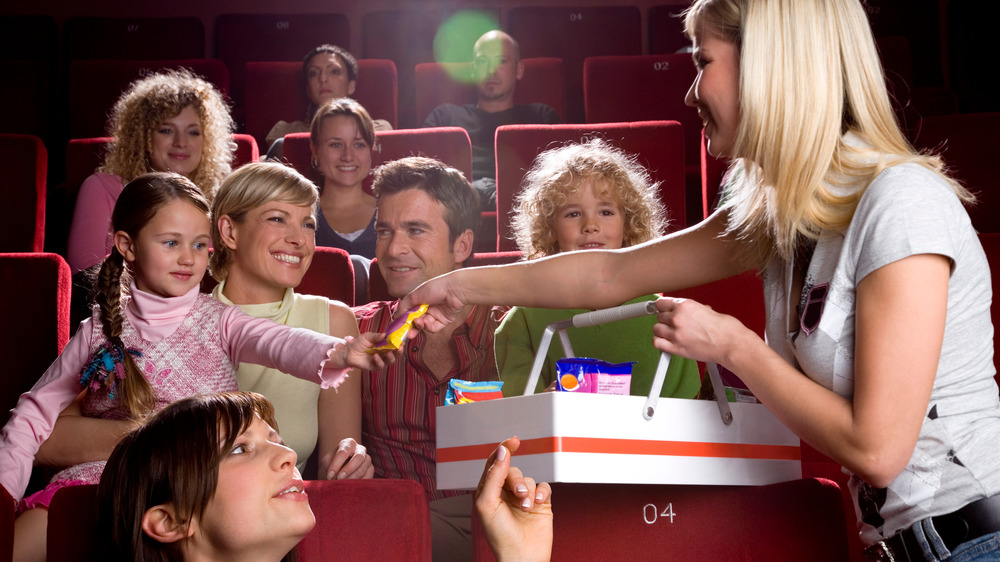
x: 425, y: 219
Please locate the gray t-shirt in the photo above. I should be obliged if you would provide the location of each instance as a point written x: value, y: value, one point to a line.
x: 906, y: 210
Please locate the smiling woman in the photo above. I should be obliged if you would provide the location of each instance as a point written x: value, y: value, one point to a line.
x: 209, y: 478
x: 172, y: 121
x: 264, y: 230
x: 341, y: 141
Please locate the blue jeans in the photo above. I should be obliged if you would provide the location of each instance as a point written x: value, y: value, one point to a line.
x: 982, y: 549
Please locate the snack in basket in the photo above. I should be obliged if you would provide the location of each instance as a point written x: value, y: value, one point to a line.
x: 466, y: 392
x: 583, y: 374
x: 396, y: 334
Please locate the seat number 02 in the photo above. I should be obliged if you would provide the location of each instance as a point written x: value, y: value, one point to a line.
x: 651, y: 513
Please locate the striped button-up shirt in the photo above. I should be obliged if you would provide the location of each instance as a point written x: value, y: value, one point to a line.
x: 398, y: 417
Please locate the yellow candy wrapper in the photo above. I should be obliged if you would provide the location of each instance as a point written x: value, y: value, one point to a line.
x: 396, y: 333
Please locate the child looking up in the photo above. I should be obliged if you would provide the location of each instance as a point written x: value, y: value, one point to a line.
x: 153, y: 339
x: 583, y: 197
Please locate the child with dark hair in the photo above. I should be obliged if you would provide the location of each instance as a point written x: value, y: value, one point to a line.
x: 154, y: 339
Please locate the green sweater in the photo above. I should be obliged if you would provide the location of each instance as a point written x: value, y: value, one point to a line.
x: 519, y: 334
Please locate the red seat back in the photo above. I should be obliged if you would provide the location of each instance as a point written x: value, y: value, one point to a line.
x: 439, y: 83
x: 277, y: 93
x: 968, y: 143
x: 24, y: 161
x: 331, y: 275
x: 790, y: 521
x: 42, y: 285
x: 367, y: 520
x: 356, y: 519
x: 658, y: 145
x: 573, y: 34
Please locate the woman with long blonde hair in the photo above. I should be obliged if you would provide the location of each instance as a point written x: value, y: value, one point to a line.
x: 879, y: 339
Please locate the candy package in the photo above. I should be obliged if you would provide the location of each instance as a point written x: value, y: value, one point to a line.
x: 396, y: 333
x: 465, y: 392
x: 583, y: 374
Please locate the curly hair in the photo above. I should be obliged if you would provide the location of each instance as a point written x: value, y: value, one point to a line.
x: 557, y: 173
x: 147, y: 104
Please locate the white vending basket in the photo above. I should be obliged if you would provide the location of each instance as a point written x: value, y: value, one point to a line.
x: 594, y: 438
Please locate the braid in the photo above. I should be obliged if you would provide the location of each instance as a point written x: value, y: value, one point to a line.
x: 134, y: 393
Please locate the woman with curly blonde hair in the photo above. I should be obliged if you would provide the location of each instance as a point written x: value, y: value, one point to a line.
x: 586, y: 196
x: 171, y: 121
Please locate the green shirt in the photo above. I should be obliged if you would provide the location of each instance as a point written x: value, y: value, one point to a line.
x: 519, y: 334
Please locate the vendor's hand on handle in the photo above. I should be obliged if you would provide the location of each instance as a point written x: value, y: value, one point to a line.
x: 515, y: 512
x: 690, y: 329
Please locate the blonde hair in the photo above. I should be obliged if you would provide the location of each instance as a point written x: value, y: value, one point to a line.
x: 809, y: 73
x: 249, y: 187
x: 559, y: 172
x: 150, y: 101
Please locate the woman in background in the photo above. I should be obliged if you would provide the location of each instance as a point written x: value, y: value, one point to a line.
x: 171, y: 121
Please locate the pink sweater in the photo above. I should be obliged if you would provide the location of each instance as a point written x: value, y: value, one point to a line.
x: 90, y: 232
x: 243, y: 338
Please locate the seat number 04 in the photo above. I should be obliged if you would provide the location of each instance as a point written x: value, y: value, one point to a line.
x: 651, y: 513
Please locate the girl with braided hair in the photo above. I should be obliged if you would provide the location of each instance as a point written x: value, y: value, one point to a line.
x: 154, y: 339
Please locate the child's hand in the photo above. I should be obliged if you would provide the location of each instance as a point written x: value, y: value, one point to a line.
x: 358, y: 356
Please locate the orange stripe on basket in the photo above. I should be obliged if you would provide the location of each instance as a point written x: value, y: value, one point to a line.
x: 544, y: 445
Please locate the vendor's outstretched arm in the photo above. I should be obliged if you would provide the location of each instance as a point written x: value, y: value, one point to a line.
x: 586, y: 279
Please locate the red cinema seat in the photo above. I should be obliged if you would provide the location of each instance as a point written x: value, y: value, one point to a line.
x: 134, y: 38
x: 247, y: 150
x: 6, y: 525
x: 439, y: 83
x: 666, y: 30
x: 414, y: 35
x: 666, y: 80
x: 95, y: 86
x: 331, y: 275
x: 278, y: 95
x: 658, y: 145
x: 25, y: 161
x: 786, y: 522
x: 41, y: 283
x: 968, y: 143
x: 241, y: 38
x: 367, y: 520
x: 573, y: 34
x: 72, y: 533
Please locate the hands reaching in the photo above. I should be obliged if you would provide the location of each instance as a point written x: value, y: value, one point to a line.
x: 350, y: 462
x: 515, y: 512
x: 445, y: 303
x: 355, y: 353
x: 691, y: 329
